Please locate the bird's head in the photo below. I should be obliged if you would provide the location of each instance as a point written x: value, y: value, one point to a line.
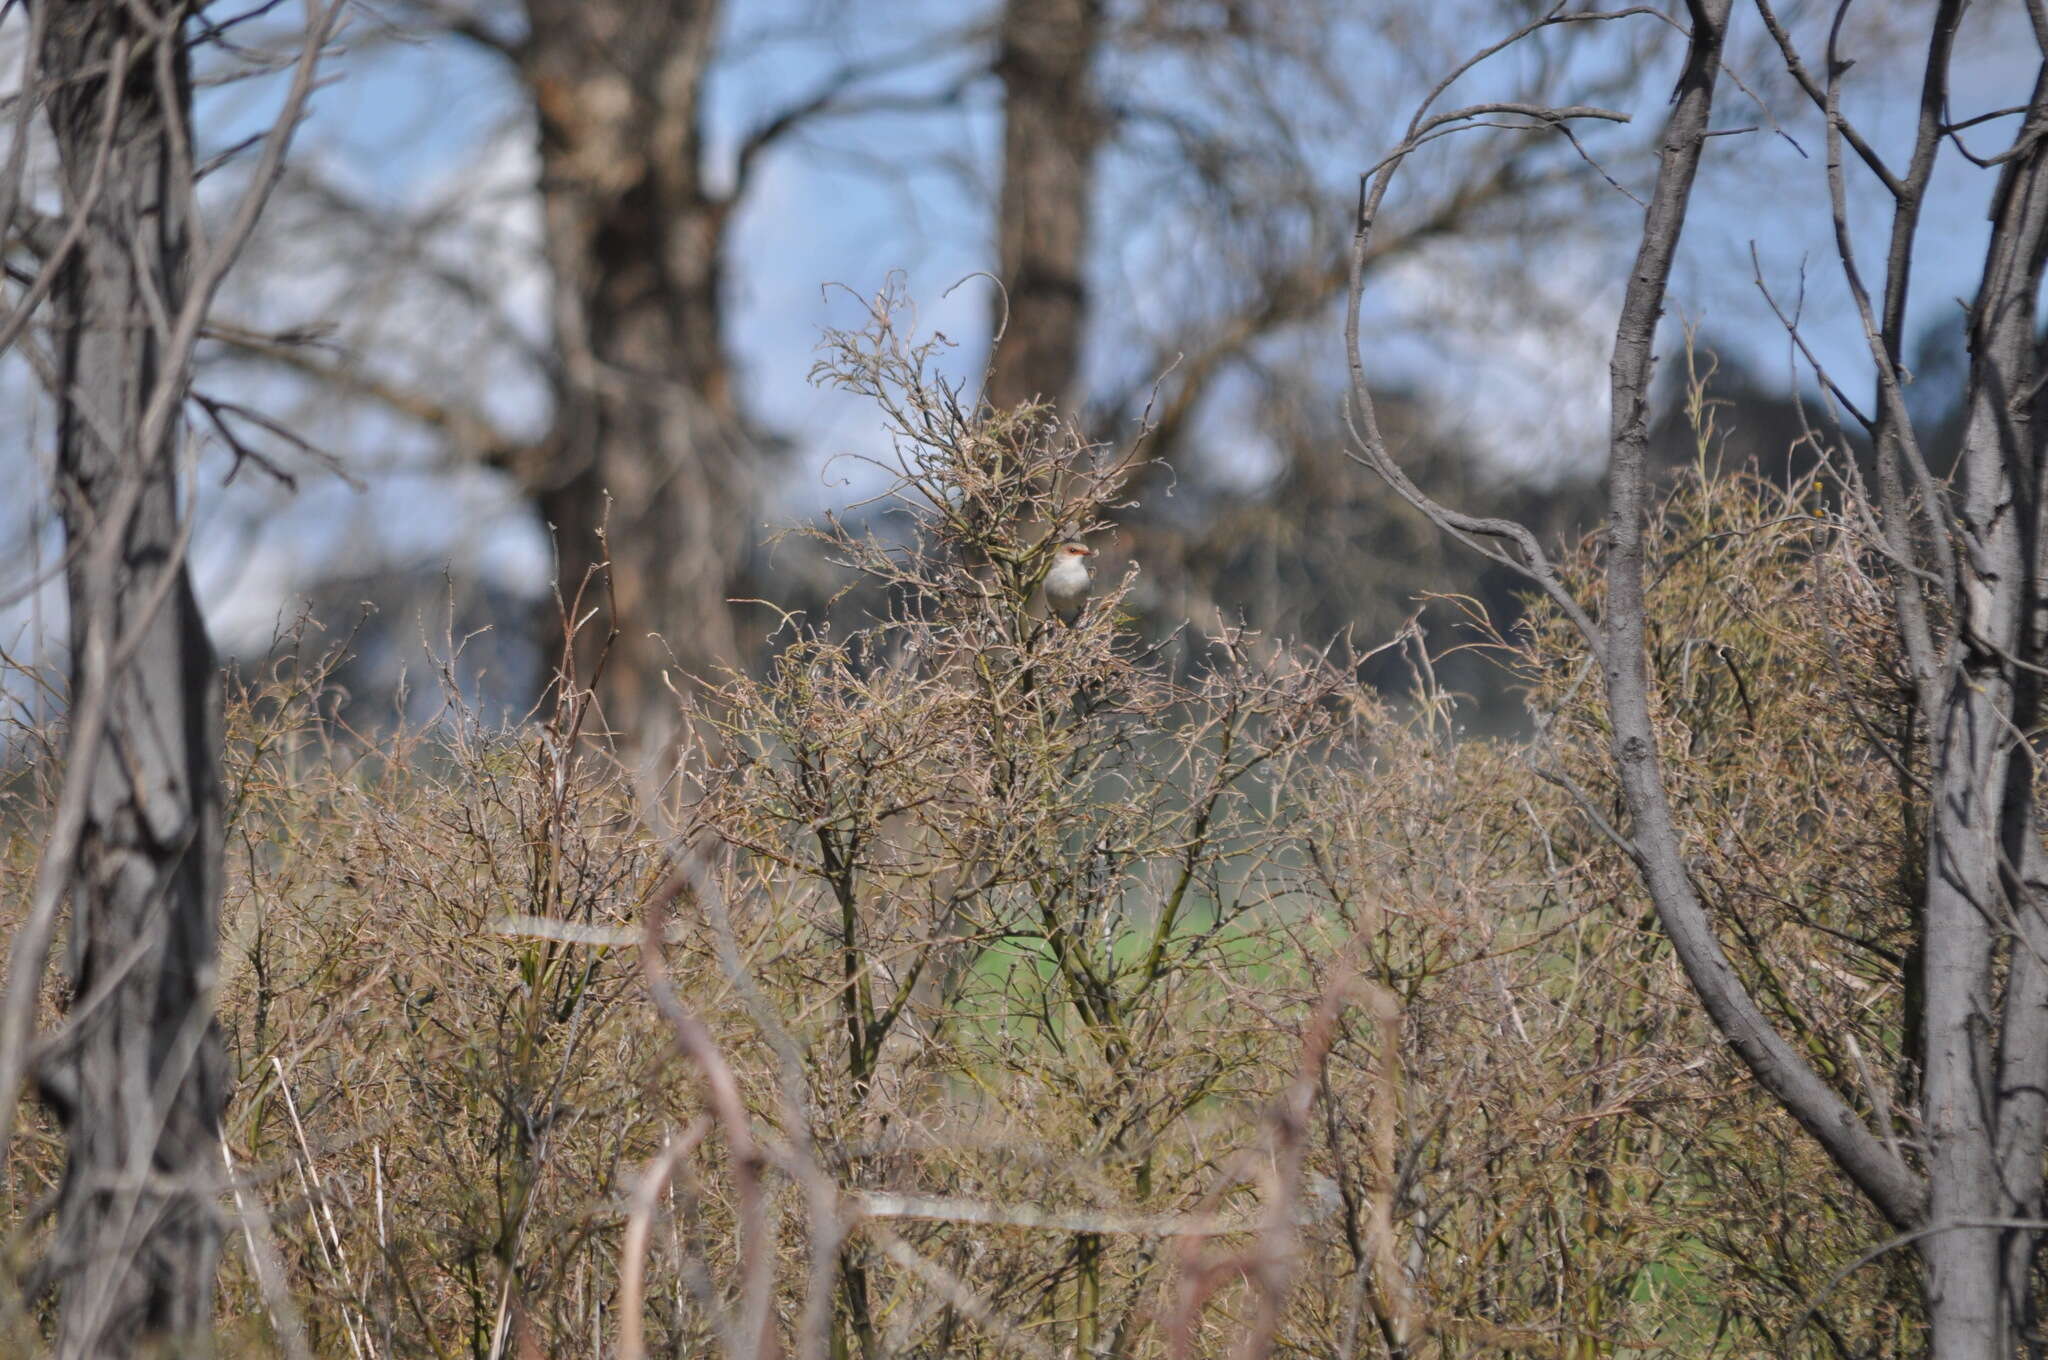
x: 1074, y: 547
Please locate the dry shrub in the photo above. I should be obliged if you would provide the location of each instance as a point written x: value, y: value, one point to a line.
x: 1787, y: 738
x: 1081, y: 995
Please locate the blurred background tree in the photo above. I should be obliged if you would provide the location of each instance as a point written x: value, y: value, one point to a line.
x: 546, y: 279
x: 523, y: 282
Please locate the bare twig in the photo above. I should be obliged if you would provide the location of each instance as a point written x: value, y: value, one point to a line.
x: 756, y: 1334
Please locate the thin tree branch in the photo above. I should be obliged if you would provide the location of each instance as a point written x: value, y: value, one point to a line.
x: 1898, y: 1192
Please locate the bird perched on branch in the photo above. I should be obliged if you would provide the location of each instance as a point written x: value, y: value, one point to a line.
x: 1068, y: 583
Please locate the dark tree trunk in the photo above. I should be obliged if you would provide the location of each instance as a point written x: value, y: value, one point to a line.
x: 647, y: 467
x: 1051, y: 125
x: 139, y: 1078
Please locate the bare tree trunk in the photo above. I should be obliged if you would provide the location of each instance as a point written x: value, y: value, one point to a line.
x: 1980, y: 1090
x: 2022, y: 1129
x: 1050, y: 129
x: 647, y: 468
x: 139, y: 1078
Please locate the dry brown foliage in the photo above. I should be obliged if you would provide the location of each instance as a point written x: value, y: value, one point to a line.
x: 966, y: 984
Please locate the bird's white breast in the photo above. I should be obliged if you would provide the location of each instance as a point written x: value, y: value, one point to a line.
x: 1066, y: 585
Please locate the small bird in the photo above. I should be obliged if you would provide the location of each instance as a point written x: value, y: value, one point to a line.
x: 1068, y: 583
